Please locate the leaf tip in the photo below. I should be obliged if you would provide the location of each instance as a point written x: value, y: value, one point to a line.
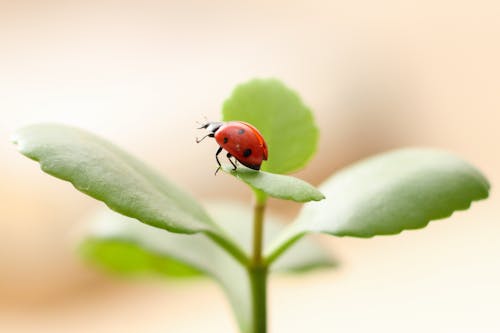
x: 320, y: 197
x: 14, y: 138
x: 18, y: 140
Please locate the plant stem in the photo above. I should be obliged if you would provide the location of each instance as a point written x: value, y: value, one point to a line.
x: 230, y: 246
x: 258, y: 224
x: 258, y: 284
x: 257, y: 270
x: 276, y: 249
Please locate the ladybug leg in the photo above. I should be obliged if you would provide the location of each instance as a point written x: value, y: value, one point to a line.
x: 210, y: 135
x: 230, y: 160
x: 217, y: 159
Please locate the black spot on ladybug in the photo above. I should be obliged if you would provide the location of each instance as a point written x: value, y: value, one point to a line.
x: 241, y: 131
x: 247, y: 152
x: 225, y: 140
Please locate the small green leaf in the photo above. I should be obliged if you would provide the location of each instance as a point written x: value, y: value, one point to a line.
x: 127, y: 258
x: 277, y: 186
x: 106, y: 173
x: 126, y: 246
x: 196, y: 251
x: 285, y: 122
x: 389, y: 193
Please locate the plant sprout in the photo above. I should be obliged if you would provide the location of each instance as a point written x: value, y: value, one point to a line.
x: 383, y: 195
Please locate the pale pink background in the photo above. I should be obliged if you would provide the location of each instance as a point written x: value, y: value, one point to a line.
x: 379, y: 75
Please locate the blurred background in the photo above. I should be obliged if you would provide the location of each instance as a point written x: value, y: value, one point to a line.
x: 378, y: 75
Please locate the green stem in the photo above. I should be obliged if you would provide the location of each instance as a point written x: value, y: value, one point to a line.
x: 258, y: 225
x: 257, y: 270
x: 289, y: 237
x: 230, y: 246
x: 258, y: 284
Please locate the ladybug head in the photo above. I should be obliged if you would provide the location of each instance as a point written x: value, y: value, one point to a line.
x: 212, y: 126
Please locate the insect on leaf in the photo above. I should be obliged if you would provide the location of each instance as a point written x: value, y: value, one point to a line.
x: 278, y: 113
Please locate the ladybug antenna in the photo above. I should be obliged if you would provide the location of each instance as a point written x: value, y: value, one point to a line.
x: 200, y: 140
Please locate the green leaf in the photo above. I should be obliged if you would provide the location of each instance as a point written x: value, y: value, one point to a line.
x: 277, y: 186
x: 127, y: 258
x: 107, y: 173
x: 389, y: 193
x: 196, y: 251
x: 109, y: 230
x: 285, y: 122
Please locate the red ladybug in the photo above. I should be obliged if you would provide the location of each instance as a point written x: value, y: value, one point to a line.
x: 241, y: 141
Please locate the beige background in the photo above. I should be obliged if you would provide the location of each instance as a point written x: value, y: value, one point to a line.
x: 379, y: 75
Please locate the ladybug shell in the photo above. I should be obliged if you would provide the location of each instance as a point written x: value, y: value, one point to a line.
x: 244, y: 142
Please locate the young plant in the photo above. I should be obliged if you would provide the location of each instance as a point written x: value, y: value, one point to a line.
x: 383, y: 195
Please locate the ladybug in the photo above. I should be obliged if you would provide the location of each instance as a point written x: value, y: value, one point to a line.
x: 241, y: 141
